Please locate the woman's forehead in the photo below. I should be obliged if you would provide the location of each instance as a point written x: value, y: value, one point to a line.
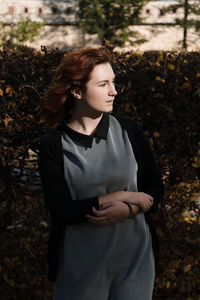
x: 102, y: 72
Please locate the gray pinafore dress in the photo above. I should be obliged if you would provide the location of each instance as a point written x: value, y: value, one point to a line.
x: 114, y: 262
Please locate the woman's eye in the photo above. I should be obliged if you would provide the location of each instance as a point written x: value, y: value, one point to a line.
x: 103, y: 84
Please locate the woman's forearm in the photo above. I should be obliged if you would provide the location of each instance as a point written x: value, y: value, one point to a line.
x: 115, y: 196
x: 141, y: 200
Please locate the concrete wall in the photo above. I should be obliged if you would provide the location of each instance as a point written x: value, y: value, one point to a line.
x: 52, y: 12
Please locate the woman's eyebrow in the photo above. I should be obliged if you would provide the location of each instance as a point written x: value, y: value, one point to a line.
x: 106, y: 80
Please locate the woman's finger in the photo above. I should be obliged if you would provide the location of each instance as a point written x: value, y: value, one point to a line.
x: 99, y: 213
x: 105, y: 205
x: 151, y: 199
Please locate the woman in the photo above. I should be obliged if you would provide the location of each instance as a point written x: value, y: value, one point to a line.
x: 100, y: 183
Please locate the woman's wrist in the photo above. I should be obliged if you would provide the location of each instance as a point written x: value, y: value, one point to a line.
x: 131, y: 212
x: 136, y: 209
x: 133, y: 209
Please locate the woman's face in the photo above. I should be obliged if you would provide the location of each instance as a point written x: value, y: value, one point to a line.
x: 100, y: 89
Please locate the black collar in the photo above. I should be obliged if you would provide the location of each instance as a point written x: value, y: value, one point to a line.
x: 86, y: 140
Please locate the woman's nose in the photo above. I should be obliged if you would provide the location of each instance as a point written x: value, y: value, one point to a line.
x: 112, y: 90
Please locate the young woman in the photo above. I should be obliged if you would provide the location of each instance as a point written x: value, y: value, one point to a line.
x: 100, y: 183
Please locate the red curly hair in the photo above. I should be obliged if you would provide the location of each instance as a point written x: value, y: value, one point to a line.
x: 73, y: 72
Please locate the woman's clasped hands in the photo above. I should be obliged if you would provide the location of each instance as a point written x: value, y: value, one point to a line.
x: 112, y: 207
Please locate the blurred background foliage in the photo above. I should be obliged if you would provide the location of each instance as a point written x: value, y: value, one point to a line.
x: 18, y: 33
x: 161, y: 91
x: 110, y: 20
x: 190, y: 17
x: 148, y: 24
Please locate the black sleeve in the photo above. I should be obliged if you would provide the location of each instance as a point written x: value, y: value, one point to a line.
x: 56, y: 192
x: 149, y: 175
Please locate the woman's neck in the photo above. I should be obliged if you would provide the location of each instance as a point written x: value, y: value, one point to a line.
x: 85, y: 123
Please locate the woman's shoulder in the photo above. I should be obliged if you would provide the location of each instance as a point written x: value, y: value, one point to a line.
x: 50, y: 140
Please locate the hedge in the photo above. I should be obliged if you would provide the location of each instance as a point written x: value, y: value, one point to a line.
x: 161, y: 91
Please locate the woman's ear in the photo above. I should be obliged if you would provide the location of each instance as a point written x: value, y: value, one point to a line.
x: 76, y: 93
